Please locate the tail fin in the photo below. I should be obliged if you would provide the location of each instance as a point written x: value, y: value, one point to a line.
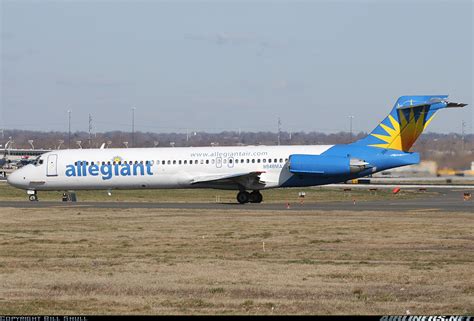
x: 405, y: 123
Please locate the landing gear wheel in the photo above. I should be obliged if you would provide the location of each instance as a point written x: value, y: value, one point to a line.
x: 256, y: 197
x: 33, y: 198
x: 243, y: 197
x: 69, y: 196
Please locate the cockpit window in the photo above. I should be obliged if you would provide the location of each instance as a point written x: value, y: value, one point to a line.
x: 38, y: 161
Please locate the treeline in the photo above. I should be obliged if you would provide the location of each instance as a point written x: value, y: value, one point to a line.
x: 449, y: 150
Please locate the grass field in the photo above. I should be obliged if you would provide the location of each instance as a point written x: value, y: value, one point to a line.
x: 282, y: 195
x: 95, y: 261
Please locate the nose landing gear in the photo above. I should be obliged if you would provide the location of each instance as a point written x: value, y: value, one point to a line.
x: 32, y: 196
x: 246, y: 197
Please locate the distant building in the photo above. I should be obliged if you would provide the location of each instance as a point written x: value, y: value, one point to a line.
x: 424, y: 168
x: 14, y: 156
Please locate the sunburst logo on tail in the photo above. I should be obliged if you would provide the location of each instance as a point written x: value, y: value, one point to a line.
x: 401, y: 133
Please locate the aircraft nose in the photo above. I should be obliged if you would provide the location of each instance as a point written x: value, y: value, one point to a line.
x: 17, y: 179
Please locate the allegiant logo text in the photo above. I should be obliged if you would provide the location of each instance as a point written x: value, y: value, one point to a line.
x: 108, y: 170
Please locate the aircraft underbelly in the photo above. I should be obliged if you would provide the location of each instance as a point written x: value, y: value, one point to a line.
x: 161, y: 181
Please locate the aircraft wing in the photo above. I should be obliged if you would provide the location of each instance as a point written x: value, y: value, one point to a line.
x: 247, y: 179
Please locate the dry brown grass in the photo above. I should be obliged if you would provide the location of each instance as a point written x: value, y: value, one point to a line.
x: 93, y: 261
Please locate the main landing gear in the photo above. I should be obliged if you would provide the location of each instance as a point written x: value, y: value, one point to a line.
x: 246, y: 197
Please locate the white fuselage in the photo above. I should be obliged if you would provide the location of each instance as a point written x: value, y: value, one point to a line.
x: 179, y: 167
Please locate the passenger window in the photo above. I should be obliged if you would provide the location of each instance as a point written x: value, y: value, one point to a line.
x: 242, y: 160
x: 174, y: 162
x: 275, y: 160
x: 163, y: 162
x: 190, y: 161
x: 207, y: 161
x: 169, y: 162
x: 225, y: 161
x: 269, y: 160
x: 281, y: 160
x: 258, y: 160
x: 230, y: 161
x: 286, y: 159
x: 179, y: 162
x: 253, y: 160
x: 248, y: 160
x: 185, y: 162
x: 213, y: 161
x: 40, y: 161
x: 264, y: 160
x: 202, y: 161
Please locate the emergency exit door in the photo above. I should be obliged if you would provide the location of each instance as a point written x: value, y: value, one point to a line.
x: 52, y: 169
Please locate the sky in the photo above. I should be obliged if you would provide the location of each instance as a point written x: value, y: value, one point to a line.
x: 231, y: 65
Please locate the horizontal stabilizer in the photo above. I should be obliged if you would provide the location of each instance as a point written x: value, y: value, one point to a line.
x: 433, y: 101
x: 455, y: 105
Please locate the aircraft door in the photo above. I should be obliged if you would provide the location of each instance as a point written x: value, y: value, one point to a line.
x: 218, y: 162
x: 52, y: 169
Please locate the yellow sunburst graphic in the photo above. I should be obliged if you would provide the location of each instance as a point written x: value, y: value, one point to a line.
x: 404, y: 132
x: 116, y: 159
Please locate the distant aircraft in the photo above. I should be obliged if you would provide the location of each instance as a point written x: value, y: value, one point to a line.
x: 240, y: 168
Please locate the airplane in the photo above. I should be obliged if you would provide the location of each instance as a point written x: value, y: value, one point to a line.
x: 240, y: 168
